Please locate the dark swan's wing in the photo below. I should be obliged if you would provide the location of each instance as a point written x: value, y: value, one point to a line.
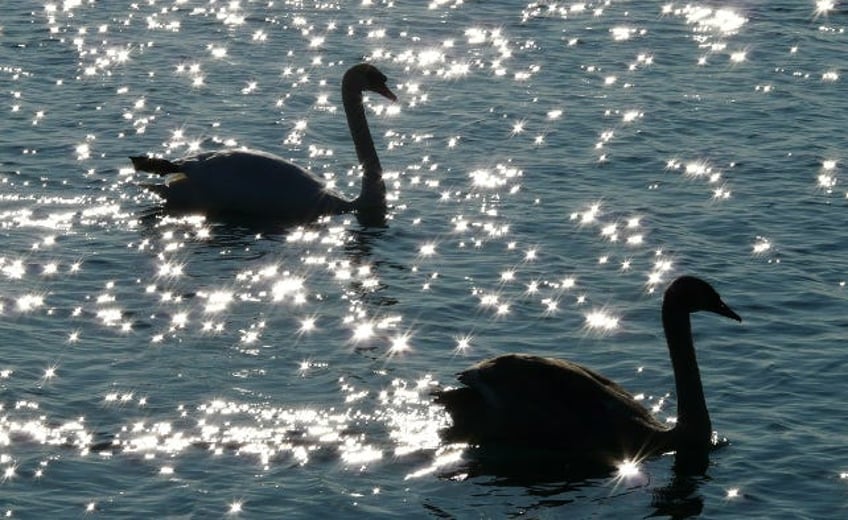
x: 549, y: 401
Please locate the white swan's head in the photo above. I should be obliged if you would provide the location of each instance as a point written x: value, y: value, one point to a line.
x: 365, y: 76
x: 691, y: 294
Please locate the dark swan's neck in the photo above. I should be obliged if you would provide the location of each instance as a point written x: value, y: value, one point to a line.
x: 373, y: 192
x: 693, y: 428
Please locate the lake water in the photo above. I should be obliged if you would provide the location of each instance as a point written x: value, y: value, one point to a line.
x: 551, y: 167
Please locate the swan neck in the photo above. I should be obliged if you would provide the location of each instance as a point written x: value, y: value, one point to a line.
x: 693, y: 420
x: 373, y: 192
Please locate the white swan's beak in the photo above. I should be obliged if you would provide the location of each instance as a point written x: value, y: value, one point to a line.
x: 384, y: 91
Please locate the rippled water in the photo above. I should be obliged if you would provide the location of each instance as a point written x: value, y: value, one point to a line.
x: 551, y: 166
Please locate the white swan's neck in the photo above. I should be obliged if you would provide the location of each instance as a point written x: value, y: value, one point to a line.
x: 373, y: 192
x: 693, y: 427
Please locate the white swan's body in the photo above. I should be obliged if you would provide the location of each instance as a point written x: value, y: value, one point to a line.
x: 258, y: 183
x: 518, y: 400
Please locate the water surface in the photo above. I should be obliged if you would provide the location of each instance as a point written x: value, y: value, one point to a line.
x: 551, y: 168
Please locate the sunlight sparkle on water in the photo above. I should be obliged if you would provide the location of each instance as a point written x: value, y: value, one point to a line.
x: 235, y: 507
x: 290, y: 286
x: 444, y: 457
x: 628, y: 469
x: 307, y: 324
x: 14, y: 270
x: 363, y: 331
x: 661, y: 264
x: 463, y: 343
x: 823, y: 7
x: 353, y: 453
x: 218, y: 301
x: 705, y: 19
x: 50, y: 372
x: 500, y: 176
x: 588, y: 216
x: 179, y: 320
x: 29, y: 302
x: 428, y: 249
x: 400, y: 344
x: 601, y: 319
x: 170, y: 270
x: 827, y: 181
x: 761, y: 245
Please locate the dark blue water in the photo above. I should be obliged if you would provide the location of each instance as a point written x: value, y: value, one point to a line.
x: 551, y: 168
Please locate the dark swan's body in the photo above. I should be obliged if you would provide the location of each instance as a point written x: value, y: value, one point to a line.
x: 258, y: 183
x: 518, y: 400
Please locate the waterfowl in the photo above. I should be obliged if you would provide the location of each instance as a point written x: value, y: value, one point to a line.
x: 257, y: 183
x: 525, y: 401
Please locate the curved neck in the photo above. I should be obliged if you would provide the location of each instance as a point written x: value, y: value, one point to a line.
x: 693, y: 427
x: 373, y: 192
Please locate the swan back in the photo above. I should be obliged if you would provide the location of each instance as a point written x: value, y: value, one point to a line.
x: 250, y: 182
x: 532, y: 401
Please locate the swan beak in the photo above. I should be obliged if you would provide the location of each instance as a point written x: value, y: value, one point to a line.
x: 384, y: 91
x: 726, y: 311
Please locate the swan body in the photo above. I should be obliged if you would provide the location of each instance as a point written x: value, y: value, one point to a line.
x: 519, y: 400
x: 251, y: 182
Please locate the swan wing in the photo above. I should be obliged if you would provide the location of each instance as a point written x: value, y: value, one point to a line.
x: 552, y: 401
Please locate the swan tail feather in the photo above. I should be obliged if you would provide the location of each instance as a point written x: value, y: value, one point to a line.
x: 154, y: 165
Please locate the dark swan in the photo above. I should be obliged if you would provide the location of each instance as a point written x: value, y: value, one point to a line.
x: 258, y: 183
x: 518, y: 400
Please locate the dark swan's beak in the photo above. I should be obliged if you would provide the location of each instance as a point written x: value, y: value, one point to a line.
x: 726, y: 311
x: 384, y: 91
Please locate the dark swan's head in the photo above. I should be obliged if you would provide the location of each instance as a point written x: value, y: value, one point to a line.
x: 691, y: 294
x: 365, y: 76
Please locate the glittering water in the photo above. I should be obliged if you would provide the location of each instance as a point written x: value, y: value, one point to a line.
x: 551, y: 167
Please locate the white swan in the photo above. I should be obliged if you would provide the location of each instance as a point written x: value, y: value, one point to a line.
x: 258, y: 183
x: 518, y: 400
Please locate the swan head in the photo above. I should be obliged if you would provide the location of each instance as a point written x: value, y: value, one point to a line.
x: 365, y: 76
x: 691, y: 294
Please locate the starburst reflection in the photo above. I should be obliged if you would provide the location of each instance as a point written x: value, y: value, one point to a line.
x: 761, y: 245
x: 428, y: 249
x: 307, y: 324
x: 627, y: 469
x: 8, y: 473
x: 823, y: 7
x: 363, y: 331
x: 463, y: 343
x: 601, y: 320
x: 400, y: 344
